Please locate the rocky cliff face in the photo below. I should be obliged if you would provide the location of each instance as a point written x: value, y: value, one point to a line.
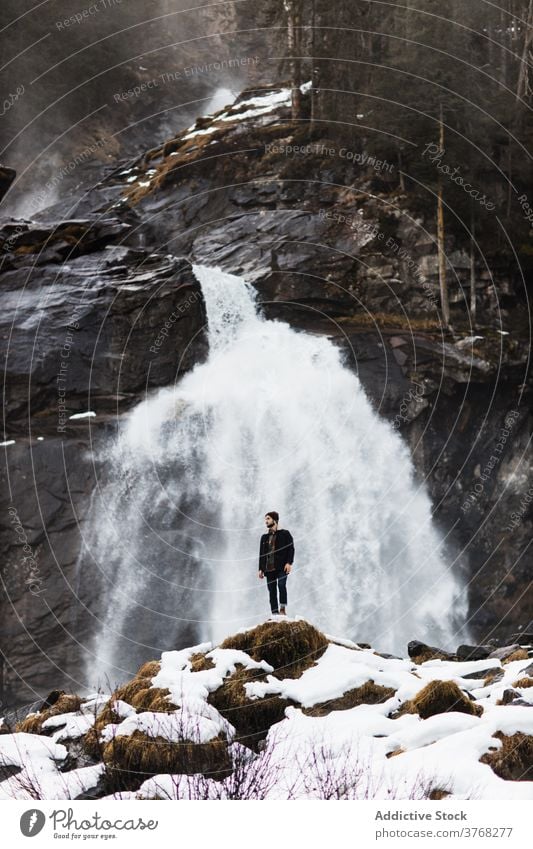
x: 330, y: 241
x: 81, y: 314
x: 328, y: 238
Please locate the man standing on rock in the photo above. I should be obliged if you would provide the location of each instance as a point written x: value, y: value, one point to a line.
x: 276, y: 556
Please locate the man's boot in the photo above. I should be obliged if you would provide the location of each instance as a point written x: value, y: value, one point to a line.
x: 282, y: 610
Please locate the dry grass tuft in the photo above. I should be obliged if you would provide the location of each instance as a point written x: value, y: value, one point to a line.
x: 91, y: 740
x: 368, y: 694
x: 138, y: 693
x: 438, y: 793
x: 430, y: 654
x: 523, y: 682
x: 153, y: 698
x: 251, y: 718
x: 149, y: 669
x: 199, y: 662
x: 131, y: 760
x: 290, y: 647
x: 159, y: 701
x: 492, y: 676
x: 514, y: 760
x: 127, y: 692
x: 396, y: 752
x: 439, y: 697
x: 519, y: 654
x: 32, y: 724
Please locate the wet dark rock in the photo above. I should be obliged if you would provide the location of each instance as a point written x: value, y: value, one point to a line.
x: 420, y: 652
x: 504, y: 652
x: 7, y: 175
x: 25, y: 242
x: 494, y: 675
x: 51, y: 699
x: 88, y: 330
x: 8, y: 771
x: 100, y: 789
x: 509, y: 697
x: 89, y: 334
x: 466, y: 652
x: 481, y: 674
x: 77, y: 756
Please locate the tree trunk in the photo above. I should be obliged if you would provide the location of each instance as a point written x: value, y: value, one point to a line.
x: 472, y: 267
x: 523, y: 87
x: 294, y: 42
x: 400, y: 171
x: 315, y: 81
x: 443, y: 283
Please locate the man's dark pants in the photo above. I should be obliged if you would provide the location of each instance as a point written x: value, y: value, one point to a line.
x: 277, y: 578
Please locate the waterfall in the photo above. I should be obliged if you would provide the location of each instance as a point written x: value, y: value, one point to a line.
x: 272, y: 420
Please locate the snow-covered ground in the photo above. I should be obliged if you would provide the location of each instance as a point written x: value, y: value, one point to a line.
x: 302, y: 756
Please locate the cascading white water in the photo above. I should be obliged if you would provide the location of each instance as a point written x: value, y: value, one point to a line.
x: 272, y: 421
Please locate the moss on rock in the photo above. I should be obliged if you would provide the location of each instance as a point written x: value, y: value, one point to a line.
x: 513, y: 761
x: 132, y: 759
x: 289, y: 647
x: 440, y: 697
x: 65, y: 703
x: 368, y: 694
x: 251, y: 718
x: 522, y: 683
x: 140, y: 694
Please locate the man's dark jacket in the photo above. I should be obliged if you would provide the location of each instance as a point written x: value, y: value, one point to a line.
x: 283, y: 553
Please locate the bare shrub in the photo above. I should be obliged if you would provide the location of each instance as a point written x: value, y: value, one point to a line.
x: 332, y: 772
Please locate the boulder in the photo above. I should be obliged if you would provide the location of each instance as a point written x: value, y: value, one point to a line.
x: 528, y: 670
x: 508, y: 697
x: 420, y: 652
x: 105, y: 328
x: 513, y: 760
x: 509, y: 653
x: 466, y: 652
x: 440, y: 697
x: 480, y: 674
x: 289, y: 647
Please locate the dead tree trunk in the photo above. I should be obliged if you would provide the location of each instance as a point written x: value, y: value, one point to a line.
x: 523, y: 88
x: 472, y: 267
x: 294, y: 45
x: 443, y: 283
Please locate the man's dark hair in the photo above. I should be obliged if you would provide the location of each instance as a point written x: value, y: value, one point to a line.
x: 273, y: 515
